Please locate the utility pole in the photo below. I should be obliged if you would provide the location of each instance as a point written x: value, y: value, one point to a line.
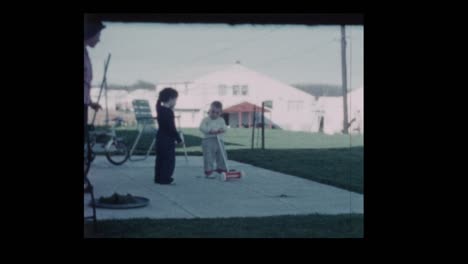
x: 343, y: 74
x: 254, y: 125
x: 263, y: 125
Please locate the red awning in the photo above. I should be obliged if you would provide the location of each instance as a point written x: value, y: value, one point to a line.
x: 244, y: 107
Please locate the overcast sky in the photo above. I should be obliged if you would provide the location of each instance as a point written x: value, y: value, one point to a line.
x: 291, y: 54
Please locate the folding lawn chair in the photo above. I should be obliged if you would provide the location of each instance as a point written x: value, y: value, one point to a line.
x: 144, y: 120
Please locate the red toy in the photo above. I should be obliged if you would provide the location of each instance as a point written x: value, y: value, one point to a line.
x: 229, y: 174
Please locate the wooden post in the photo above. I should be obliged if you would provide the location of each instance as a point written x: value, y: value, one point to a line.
x: 263, y: 125
x: 239, y: 121
x: 253, y: 127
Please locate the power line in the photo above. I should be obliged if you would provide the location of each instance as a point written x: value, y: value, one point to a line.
x: 225, y: 49
x: 308, y: 50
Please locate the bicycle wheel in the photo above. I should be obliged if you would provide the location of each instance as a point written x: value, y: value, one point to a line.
x: 117, y: 153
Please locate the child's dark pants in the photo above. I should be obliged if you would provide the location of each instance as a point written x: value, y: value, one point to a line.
x: 165, y: 158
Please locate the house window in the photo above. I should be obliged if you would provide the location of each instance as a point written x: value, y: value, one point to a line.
x: 235, y: 90
x: 295, y: 105
x: 222, y: 89
x: 245, y: 90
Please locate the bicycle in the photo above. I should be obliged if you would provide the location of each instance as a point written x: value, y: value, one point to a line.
x: 115, y: 149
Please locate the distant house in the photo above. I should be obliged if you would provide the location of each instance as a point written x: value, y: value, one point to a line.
x: 240, y: 89
x: 330, y: 110
x: 237, y: 86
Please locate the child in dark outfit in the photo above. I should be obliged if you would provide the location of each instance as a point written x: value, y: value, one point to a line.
x: 166, y: 137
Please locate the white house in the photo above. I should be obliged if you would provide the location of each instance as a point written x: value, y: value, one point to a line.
x: 239, y: 89
x: 236, y: 84
x: 330, y: 110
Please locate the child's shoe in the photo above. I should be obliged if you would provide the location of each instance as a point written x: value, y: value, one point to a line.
x: 210, y: 175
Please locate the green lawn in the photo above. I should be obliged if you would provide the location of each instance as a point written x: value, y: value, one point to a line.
x: 305, y: 226
x: 341, y: 167
x: 238, y: 138
x: 327, y: 159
